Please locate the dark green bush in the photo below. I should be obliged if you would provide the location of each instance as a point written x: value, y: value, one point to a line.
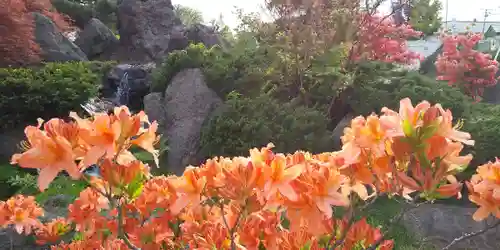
x: 253, y: 122
x: 378, y: 85
x: 53, y: 90
x: 484, y: 127
x: 225, y: 71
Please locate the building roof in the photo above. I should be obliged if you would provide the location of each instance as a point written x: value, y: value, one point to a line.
x: 494, y: 27
x: 473, y: 26
x: 425, y: 47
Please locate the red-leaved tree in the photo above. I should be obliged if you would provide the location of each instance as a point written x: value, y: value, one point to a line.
x: 380, y: 39
x: 463, y: 66
x: 17, y: 45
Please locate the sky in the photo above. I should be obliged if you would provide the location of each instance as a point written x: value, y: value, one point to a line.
x: 462, y: 10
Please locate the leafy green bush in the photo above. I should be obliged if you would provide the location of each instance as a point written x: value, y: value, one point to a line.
x: 50, y: 91
x: 27, y: 185
x: 253, y: 122
x: 225, y: 71
x: 378, y: 85
x: 8, y: 172
x: 484, y: 126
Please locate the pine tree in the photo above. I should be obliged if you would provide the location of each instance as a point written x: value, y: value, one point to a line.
x: 425, y: 16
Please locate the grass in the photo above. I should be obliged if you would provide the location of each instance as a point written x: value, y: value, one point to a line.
x: 381, y: 212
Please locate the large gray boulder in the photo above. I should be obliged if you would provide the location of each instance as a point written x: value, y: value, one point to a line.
x: 207, y: 35
x: 96, y: 40
x: 188, y: 102
x: 148, y: 30
x: 55, y: 47
x: 439, y: 225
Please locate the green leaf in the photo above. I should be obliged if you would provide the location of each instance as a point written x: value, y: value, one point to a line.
x: 306, y: 247
x: 408, y: 128
x: 78, y: 236
x: 134, y: 189
x: 428, y: 132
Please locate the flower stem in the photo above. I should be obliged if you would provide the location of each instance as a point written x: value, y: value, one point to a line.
x: 121, y: 233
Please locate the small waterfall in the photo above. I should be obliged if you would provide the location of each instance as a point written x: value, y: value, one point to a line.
x: 123, y: 90
x: 97, y: 105
x: 121, y: 97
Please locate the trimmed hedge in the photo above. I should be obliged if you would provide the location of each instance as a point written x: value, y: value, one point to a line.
x: 253, y: 122
x: 378, y: 85
x: 50, y: 91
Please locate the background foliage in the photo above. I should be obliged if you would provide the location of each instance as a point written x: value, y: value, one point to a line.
x: 52, y: 90
x: 253, y: 122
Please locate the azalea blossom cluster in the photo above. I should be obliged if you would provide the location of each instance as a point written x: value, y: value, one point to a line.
x: 266, y: 200
x: 380, y: 39
x: 461, y: 65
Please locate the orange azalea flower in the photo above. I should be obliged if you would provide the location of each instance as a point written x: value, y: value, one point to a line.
x: 304, y: 213
x: 130, y: 125
x: 449, y: 131
x: 101, y: 134
x: 240, y: 179
x: 297, y: 240
x: 214, y: 236
x: 325, y: 190
x: 260, y: 227
x: 189, y: 188
x: 69, y: 130
x: 362, y: 233
x: 263, y: 156
x: 280, y: 177
x: 393, y: 122
x: 121, y: 175
x: 151, y: 235
x: 52, y: 231
x: 20, y: 212
x: 147, y: 139
x: 363, y: 135
x: 159, y: 192
x: 49, y: 154
x: 85, y: 210
x: 453, y: 159
x: 484, y: 189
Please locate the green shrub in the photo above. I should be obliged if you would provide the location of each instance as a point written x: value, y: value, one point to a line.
x: 378, y: 85
x: 53, y: 90
x: 27, y: 185
x: 236, y: 70
x: 8, y: 172
x: 484, y: 126
x: 253, y: 122
x: 194, y: 56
